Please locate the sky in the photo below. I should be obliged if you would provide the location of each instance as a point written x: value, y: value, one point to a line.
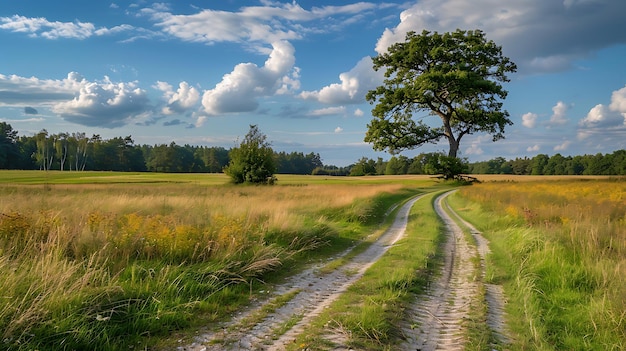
x: 201, y: 72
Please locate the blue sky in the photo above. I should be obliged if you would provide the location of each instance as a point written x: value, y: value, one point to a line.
x: 201, y: 72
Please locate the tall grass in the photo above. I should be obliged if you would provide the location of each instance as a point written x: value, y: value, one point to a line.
x: 106, y: 266
x: 561, y: 249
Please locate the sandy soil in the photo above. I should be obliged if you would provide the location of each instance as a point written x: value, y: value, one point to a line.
x: 434, y: 322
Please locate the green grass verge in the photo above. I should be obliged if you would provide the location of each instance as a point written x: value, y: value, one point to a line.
x: 369, y: 311
x: 553, y: 298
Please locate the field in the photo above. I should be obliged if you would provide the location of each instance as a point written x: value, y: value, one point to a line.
x: 102, y: 260
x: 560, y: 250
x: 113, y: 261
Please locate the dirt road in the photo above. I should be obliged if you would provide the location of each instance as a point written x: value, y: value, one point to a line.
x: 434, y: 321
x: 437, y: 321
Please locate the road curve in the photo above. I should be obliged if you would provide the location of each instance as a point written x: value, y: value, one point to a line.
x: 315, y: 292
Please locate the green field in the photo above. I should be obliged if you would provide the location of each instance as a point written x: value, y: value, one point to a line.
x: 112, y: 261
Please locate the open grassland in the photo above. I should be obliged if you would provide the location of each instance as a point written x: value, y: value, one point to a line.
x: 104, y: 261
x: 559, y: 248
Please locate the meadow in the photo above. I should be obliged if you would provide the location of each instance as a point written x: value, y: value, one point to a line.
x: 559, y: 249
x: 110, y: 261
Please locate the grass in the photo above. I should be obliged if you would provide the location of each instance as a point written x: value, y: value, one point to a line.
x: 559, y: 249
x: 368, y: 313
x: 110, y: 261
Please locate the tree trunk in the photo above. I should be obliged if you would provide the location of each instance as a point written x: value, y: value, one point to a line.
x: 454, y: 147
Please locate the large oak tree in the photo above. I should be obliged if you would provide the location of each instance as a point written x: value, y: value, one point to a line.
x: 451, y: 76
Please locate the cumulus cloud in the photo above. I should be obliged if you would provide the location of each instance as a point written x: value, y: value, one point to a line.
x: 239, y: 90
x: 353, y: 85
x: 475, y: 145
x: 474, y: 149
x: 338, y: 130
x: 607, y: 116
x: 608, y: 121
x: 618, y: 102
x: 17, y: 91
x: 179, y: 101
x: 104, y: 104
x: 200, y: 121
x: 529, y: 120
x: 74, y: 98
x: 559, y: 112
x: 358, y: 113
x: 562, y: 31
x: 563, y: 146
x: 533, y: 148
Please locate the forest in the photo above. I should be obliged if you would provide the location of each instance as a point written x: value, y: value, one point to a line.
x: 79, y: 152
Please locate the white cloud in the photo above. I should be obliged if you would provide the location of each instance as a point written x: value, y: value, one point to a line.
x: 239, y: 90
x: 563, y: 146
x: 105, y: 103
x: 533, y: 148
x: 74, y: 98
x: 19, y: 91
x: 474, y: 149
x: 559, y: 35
x: 269, y: 23
x: 338, y: 130
x: 179, y: 101
x: 529, y: 120
x: 605, y: 121
x: 42, y: 27
x: 39, y: 27
x: 607, y: 116
x: 475, y: 144
x: 618, y: 102
x: 353, y: 87
x: 359, y: 113
x: 558, y: 114
x: 200, y: 121
x: 328, y: 111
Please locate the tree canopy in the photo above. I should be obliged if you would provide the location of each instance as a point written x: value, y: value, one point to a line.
x: 253, y: 161
x: 453, y: 76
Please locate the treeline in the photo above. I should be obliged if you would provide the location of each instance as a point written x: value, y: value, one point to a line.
x: 542, y: 164
x: 78, y: 152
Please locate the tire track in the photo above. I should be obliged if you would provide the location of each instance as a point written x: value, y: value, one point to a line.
x: 314, y: 293
x: 436, y: 321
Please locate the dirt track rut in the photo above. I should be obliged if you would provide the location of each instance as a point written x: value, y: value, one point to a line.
x: 434, y: 322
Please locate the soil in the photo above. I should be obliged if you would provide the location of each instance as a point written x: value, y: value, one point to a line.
x: 434, y: 321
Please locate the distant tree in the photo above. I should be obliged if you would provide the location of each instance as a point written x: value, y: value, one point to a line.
x: 9, y: 150
x: 253, y: 160
x: 363, y: 167
x: 453, y: 76
x: 214, y: 158
x: 27, y: 146
x: 397, y: 165
x: 45, y: 150
x: 539, y: 163
x: 521, y: 166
